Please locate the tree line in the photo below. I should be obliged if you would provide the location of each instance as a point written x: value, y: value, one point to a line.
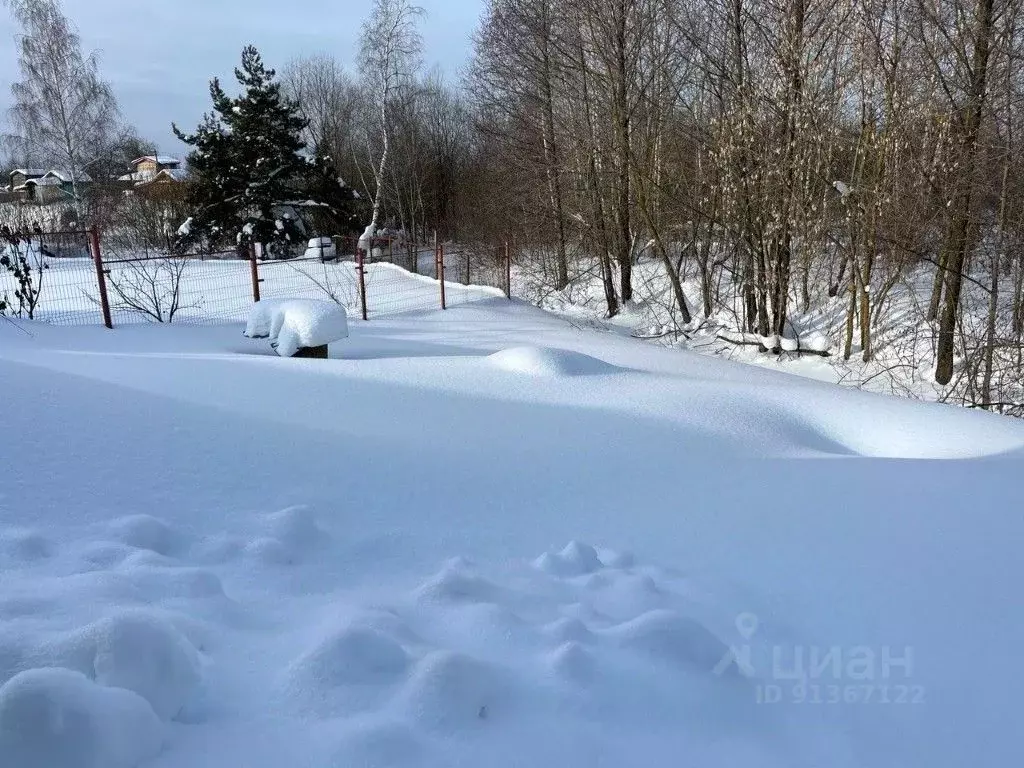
x: 769, y: 156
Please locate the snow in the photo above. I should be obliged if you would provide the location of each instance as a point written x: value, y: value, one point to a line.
x: 147, y: 655
x: 56, y: 718
x: 536, y: 361
x: 292, y: 324
x: 491, y: 537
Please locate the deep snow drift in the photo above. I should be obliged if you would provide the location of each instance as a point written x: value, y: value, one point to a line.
x: 484, y: 537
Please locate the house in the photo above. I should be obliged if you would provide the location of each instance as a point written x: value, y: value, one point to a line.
x: 48, y: 186
x: 148, y: 168
x: 21, y: 175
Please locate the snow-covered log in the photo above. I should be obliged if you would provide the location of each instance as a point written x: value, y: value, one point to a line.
x: 293, y: 325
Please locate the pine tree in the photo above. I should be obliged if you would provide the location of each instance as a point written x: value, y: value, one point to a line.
x: 249, y: 159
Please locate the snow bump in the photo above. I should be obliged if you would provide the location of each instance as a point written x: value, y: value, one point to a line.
x: 548, y: 362
x: 452, y: 691
x: 576, y: 559
x: 146, y: 654
x: 149, y: 533
x: 669, y: 636
x: 58, y: 718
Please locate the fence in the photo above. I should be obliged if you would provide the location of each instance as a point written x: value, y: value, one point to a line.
x: 82, y: 280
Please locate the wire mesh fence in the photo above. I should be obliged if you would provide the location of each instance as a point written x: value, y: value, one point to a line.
x: 71, y: 271
x: 49, y: 276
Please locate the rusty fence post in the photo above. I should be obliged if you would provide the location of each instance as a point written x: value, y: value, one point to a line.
x: 361, y: 270
x: 439, y: 262
x: 508, y: 272
x: 101, y: 276
x: 254, y: 272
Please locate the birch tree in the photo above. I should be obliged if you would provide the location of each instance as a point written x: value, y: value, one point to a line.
x: 389, y: 58
x: 64, y: 112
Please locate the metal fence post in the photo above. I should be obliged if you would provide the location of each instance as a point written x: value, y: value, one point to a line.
x: 254, y: 272
x: 508, y: 272
x: 439, y: 260
x: 101, y: 277
x: 361, y: 269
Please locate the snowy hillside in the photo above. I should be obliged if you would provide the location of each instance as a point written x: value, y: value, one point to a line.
x: 489, y: 538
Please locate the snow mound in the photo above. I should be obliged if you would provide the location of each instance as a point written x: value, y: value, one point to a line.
x: 24, y: 545
x: 296, y: 528
x: 57, y: 718
x: 453, y: 584
x: 545, y: 361
x: 147, y: 655
x: 569, y: 629
x: 619, y: 559
x: 354, y: 655
x: 103, y: 554
x: 149, y: 533
x: 452, y: 691
x: 291, y: 534
x: 348, y: 670
x: 292, y: 324
x: 573, y: 663
x: 668, y: 636
x: 490, y: 623
x: 576, y: 559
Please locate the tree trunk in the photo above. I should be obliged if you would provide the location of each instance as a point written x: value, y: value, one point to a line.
x: 958, y: 241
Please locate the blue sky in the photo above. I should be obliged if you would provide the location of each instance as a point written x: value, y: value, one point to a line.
x: 161, y: 54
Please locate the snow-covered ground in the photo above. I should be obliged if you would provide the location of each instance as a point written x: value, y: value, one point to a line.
x: 487, y: 537
x: 903, y: 342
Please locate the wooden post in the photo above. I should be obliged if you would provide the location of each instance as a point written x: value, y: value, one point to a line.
x: 254, y: 272
x: 101, y: 277
x: 361, y: 270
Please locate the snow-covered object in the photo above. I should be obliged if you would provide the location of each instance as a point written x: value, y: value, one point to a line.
x: 57, y: 718
x: 294, y: 324
x: 366, y: 238
x: 320, y: 248
x: 186, y: 227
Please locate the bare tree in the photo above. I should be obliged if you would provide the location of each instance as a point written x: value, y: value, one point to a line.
x: 62, y: 109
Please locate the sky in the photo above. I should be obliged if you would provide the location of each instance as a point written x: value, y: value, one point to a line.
x: 161, y: 54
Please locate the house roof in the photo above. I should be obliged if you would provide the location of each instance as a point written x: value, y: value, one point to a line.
x: 65, y: 176
x: 29, y: 171
x: 148, y: 177
x: 167, y: 174
x: 158, y: 159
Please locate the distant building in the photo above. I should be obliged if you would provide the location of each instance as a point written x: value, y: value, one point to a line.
x: 44, y: 187
x: 155, y: 169
x: 21, y: 175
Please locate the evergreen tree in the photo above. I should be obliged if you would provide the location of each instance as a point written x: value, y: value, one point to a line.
x: 249, y: 160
